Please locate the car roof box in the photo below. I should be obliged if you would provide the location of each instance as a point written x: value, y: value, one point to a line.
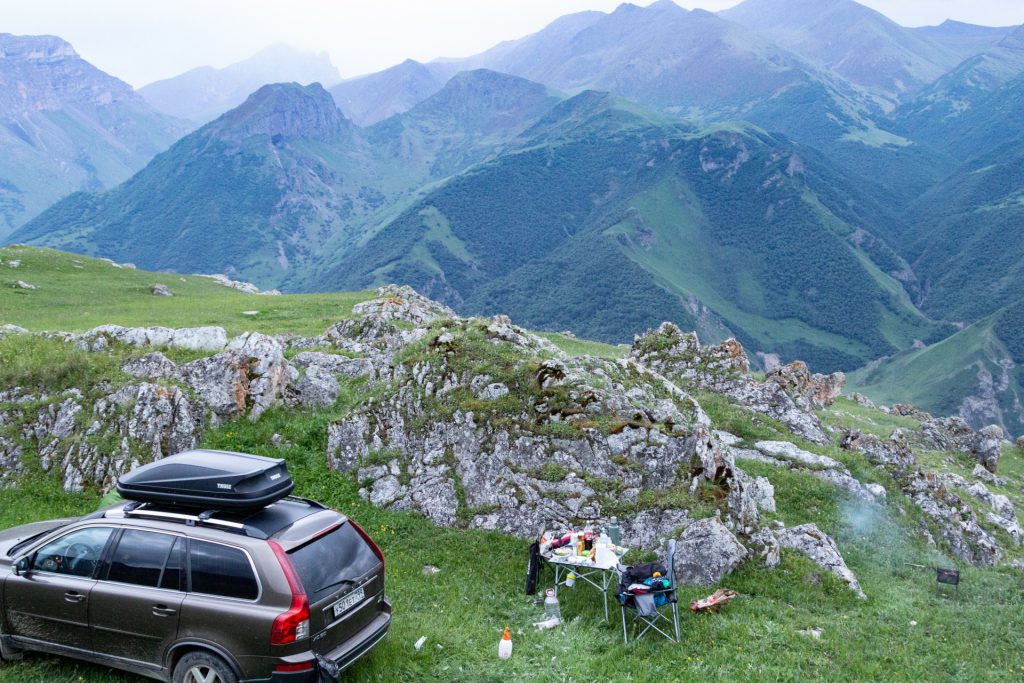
x: 210, y: 480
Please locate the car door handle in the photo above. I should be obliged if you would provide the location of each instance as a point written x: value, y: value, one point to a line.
x: 74, y: 596
x: 163, y: 611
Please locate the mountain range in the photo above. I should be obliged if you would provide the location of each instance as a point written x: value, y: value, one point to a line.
x: 67, y: 126
x: 202, y: 94
x: 809, y: 177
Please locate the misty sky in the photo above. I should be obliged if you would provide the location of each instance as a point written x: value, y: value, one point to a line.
x: 144, y: 40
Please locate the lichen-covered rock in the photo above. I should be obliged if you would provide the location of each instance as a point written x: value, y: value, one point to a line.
x: 987, y: 446
x: 706, y: 552
x: 955, y: 521
x: 91, y: 444
x: 248, y: 377
x: 151, y: 366
x: 404, y: 304
x: 161, y: 290
x: 192, y: 338
x: 619, y: 424
x: 823, y: 551
x: 316, y: 388
x: 862, y: 400
x: 954, y: 434
x: 796, y: 380
x: 893, y: 453
x: 1003, y: 513
x: 333, y: 363
x: 790, y: 453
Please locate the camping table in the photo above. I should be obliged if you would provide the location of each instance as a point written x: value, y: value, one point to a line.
x: 601, y: 577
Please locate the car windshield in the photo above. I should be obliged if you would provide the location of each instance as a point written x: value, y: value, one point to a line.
x: 25, y: 542
x: 332, y: 561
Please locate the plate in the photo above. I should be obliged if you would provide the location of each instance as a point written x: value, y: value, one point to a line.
x: 347, y: 602
x: 563, y: 552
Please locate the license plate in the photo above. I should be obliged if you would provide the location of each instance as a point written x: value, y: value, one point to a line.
x: 349, y: 601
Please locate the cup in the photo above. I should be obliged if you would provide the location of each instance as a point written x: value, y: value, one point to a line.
x: 570, y: 580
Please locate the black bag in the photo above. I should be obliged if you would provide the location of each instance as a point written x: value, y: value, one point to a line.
x: 329, y: 671
x: 533, y: 569
x: 639, y: 573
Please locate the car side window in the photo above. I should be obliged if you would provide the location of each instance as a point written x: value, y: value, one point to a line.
x: 75, y: 554
x: 140, y: 558
x: 174, y: 570
x: 221, y: 570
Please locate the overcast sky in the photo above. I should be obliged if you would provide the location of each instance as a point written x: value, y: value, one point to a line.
x: 144, y: 40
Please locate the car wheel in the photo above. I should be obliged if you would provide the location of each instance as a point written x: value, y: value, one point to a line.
x: 203, y: 667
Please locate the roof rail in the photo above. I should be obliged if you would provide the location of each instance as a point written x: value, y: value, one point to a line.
x: 138, y: 509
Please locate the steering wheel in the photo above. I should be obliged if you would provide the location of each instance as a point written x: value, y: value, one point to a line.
x: 77, y: 554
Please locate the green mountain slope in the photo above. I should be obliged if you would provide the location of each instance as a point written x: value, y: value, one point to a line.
x: 261, y: 191
x: 725, y: 229
x: 974, y: 107
x: 976, y: 373
x: 965, y: 243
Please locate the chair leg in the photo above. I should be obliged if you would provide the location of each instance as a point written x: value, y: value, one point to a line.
x: 675, y: 618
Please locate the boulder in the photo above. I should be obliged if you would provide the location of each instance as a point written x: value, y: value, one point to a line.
x: 151, y: 366
x: 316, y: 388
x: 823, y: 551
x: 987, y: 446
x: 333, y: 363
x: 795, y: 456
x: 161, y: 290
x: 21, y: 284
x: 706, y: 552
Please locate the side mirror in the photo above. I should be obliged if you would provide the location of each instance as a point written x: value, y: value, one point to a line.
x: 21, y: 566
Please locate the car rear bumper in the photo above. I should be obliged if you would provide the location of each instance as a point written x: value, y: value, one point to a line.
x: 344, y: 656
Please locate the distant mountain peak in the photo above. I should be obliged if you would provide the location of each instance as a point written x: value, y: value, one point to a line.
x: 1014, y: 41
x: 35, y: 48
x: 285, y: 109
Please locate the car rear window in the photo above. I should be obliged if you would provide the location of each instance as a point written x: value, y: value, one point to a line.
x: 221, y: 570
x: 333, y: 560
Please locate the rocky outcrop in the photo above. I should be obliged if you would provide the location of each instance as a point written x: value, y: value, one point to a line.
x: 954, y: 434
x: 246, y: 287
x: 819, y: 546
x: 706, y: 552
x: 820, y: 390
x: 192, y: 338
x: 725, y: 369
x: 92, y: 442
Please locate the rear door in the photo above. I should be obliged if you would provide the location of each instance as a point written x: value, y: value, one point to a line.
x: 49, y: 604
x: 135, y: 605
x: 344, y: 582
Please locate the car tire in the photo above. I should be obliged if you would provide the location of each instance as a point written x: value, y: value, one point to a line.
x: 203, y: 667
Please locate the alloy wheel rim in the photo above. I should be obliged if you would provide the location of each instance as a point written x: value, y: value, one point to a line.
x: 202, y: 674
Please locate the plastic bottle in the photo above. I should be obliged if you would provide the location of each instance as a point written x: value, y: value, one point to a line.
x: 552, y: 610
x: 588, y: 538
x: 615, y: 532
x: 505, y: 645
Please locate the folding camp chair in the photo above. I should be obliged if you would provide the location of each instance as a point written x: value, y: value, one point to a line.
x: 659, y: 617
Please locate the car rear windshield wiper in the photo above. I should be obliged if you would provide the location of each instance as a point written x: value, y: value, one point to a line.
x: 340, y: 582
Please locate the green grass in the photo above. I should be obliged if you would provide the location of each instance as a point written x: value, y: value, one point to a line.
x: 973, y: 636
x: 76, y: 293
x: 583, y: 347
x: 847, y: 413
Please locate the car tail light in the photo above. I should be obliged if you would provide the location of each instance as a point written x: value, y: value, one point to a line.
x: 366, y: 537
x: 292, y: 625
